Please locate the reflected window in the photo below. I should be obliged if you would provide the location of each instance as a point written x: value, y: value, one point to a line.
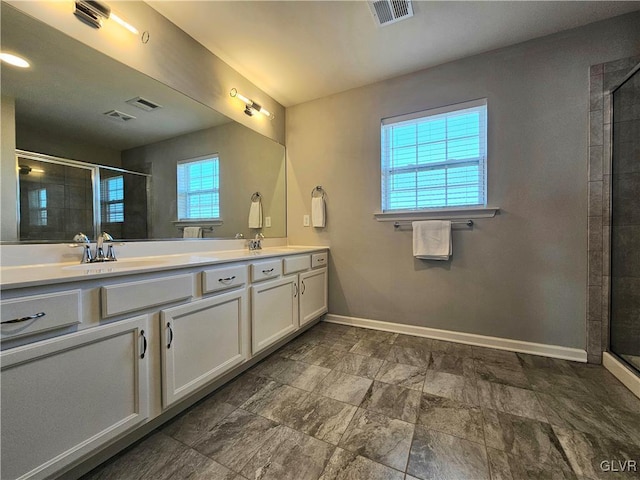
x: 38, y: 207
x: 199, y: 188
x: 112, y: 192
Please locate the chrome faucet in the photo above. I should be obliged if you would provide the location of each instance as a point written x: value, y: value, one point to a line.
x: 256, y: 244
x: 100, y: 256
x: 87, y: 257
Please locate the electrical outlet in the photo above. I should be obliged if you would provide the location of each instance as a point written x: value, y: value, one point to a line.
x: 305, y: 221
x: 267, y: 222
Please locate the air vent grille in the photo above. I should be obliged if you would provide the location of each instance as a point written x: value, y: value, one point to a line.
x: 119, y: 116
x: 386, y: 12
x: 144, y: 104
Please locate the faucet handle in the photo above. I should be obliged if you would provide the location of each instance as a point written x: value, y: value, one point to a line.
x: 106, y: 237
x: 80, y: 238
x: 83, y: 241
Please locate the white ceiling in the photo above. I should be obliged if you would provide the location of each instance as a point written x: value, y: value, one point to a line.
x: 297, y: 51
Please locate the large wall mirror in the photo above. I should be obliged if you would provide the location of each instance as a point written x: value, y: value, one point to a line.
x: 99, y: 146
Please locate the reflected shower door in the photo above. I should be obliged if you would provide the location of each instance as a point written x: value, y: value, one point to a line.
x: 625, y: 221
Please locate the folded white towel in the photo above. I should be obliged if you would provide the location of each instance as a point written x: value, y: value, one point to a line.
x: 255, y: 214
x: 432, y: 240
x: 192, y: 232
x: 318, y: 216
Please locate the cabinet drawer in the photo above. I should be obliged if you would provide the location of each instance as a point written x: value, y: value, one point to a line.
x: 38, y: 313
x: 223, y: 278
x: 319, y: 260
x: 266, y: 270
x: 299, y: 263
x: 132, y: 296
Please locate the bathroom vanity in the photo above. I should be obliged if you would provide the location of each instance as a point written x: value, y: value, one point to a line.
x: 93, y: 353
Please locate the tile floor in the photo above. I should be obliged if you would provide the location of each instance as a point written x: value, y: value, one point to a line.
x: 347, y: 403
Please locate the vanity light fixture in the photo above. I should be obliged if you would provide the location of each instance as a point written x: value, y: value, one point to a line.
x: 93, y: 13
x: 14, y: 60
x: 250, y: 106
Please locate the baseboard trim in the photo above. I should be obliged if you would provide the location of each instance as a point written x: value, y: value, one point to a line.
x: 553, y: 351
x: 622, y: 373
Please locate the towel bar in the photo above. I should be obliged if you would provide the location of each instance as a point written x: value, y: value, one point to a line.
x: 204, y: 229
x: 468, y: 223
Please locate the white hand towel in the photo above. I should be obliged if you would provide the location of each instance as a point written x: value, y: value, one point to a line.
x: 255, y: 214
x: 192, y: 232
x: 432, y: 240
x: 318, y: 217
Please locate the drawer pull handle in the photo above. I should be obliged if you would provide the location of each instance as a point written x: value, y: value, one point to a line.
x: 303, y: 288
x: 267, y: 272
x: 320, y: 260
x: 295, y: 290
x: 144, y: 344
x: 227, y: 280
x: 170, y: 335
x: 24, y: 319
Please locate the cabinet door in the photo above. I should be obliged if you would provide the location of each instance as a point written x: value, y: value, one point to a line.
x: 274, y: 311
x: 64, y: 397
x: 313, y: 295
x: 201, y: 341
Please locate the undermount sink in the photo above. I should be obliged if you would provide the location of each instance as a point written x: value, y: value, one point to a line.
x: 99, y: 267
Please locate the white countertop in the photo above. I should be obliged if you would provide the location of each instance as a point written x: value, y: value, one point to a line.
x: 50, y: 273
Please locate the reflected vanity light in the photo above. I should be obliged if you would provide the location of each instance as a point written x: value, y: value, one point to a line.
x: 93, y: 13
x: 14, y: 60
x: 250, y: 106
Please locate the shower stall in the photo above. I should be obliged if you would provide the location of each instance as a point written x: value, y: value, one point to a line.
x: 624, y: 324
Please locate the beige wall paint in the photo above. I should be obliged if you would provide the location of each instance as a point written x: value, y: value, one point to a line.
x: 521, y: 275
x: 171, y: 56
x: 8, y: 173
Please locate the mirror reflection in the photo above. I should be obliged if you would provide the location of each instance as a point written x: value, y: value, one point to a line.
x: 100, y: 146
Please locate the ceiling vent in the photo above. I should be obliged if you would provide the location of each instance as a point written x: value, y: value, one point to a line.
x: 144, y: 104
x: 119, y: 116
x: 386, y: 12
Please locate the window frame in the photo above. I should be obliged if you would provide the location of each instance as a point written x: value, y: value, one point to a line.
x: 386, y: 171
x: 215, y: 158
x: 106, y: 201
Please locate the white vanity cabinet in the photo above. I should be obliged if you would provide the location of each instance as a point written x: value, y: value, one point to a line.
x: 313, y: 297
x: 201, y: 341
x: 274, y: 311
x: 282, y: 306
x: 64, y: 397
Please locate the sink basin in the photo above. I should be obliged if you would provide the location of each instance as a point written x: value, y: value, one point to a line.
x: 103, y: 267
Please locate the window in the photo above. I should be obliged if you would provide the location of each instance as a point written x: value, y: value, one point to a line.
x: 112, y: 199
x: 38, y: 207
x: 199, y: 189
x: 435, y: 158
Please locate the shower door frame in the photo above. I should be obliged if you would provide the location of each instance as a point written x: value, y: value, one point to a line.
x: 604, y: 79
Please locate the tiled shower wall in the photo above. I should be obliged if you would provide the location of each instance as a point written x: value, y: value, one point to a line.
x: 604, y: 77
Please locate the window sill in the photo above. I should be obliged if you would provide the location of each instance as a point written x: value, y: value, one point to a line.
x: 459, y: 213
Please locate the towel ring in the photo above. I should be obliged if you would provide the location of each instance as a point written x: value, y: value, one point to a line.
x: 256, y: 196
x: 317, y: 189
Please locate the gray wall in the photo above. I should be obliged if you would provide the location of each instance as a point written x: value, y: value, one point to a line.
x: 521, y: 275
x: 249, y: 162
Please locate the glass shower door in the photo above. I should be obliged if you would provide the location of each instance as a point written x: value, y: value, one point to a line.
x: 625, y: 221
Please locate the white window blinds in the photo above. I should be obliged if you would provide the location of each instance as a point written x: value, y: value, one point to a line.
x: 435, y: 158
x: 199, y: 189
